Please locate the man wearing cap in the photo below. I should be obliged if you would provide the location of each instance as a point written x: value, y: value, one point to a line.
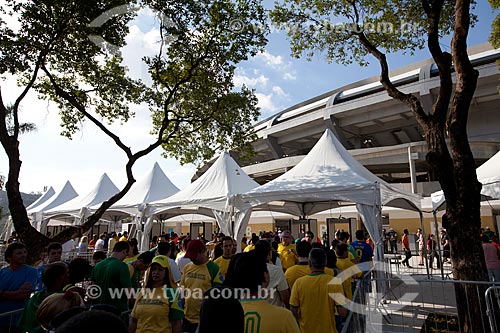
x: 286, y: 250
x: 198, y: 276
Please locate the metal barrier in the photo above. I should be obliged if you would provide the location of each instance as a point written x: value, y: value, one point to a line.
x: 68, y: 256
x: 493, y: 307
x: 10, y: 323
x: 410, y: 305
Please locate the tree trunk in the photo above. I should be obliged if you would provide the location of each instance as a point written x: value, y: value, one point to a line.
x: 35, y: 241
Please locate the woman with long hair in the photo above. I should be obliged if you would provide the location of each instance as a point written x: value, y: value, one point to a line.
x: 157, y: 307
x: 83, y: 246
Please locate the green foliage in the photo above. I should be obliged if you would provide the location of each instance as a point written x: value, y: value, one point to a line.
x: 495, y: 26
x: 330, y: 27
x: 192, y: 100
x: 23, y: 127
x: 205, y: 114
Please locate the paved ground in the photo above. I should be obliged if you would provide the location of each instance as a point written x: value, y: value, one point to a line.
x: 411, y: 295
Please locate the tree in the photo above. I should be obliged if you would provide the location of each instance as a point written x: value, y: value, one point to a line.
x: 495, y: 31
x: 67, y: 52
x: 368, y: 32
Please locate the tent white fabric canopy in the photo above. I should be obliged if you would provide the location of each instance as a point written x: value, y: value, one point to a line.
x: 44, y: 197
x: 79, y: 207
x: 327, y: 176
x: 212, y: 191
x: 37, y: 213
x: 488, y: 174
x: 154, y: 186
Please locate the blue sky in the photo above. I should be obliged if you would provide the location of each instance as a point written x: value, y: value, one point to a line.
x: 279, y: 81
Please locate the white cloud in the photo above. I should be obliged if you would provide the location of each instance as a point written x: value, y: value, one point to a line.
x: 251, y: 82
x: 290, y: 76
x: 279, y: 92
x: 270, y: 60
x: 277, y: 63
x: 266, y: 103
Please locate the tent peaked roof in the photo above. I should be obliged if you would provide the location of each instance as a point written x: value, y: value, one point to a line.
x: 488, y: 174
x: 44, y: 197
x: 64, y: 195
x: 329, y: 173
x: 104, y: 190
x: 213, y: 189
x: 154, y: 186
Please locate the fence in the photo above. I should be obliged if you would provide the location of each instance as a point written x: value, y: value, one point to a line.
x: 426, y: 305
x: 8, y: 321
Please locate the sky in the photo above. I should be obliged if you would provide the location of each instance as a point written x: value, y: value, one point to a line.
x: 279, y: 80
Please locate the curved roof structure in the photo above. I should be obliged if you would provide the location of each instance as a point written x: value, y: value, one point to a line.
x: 380, y: 132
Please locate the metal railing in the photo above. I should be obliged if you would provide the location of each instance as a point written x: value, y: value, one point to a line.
x: 493, y: 307
x: 425, y: 305
x: 8, y: 320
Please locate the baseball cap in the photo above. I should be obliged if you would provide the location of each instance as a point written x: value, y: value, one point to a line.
x: 194, y: 248
x: 161, y: 260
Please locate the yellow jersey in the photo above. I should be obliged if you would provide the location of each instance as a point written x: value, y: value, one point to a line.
x: 352, y: 270
x: 198, y: 279
x: 223, y: 264
x: 249, y: 248
x: 316, y: 308
x: 300, y: 270
x: 262, y: 317
x: 154, y: 311
x: 287, y: 255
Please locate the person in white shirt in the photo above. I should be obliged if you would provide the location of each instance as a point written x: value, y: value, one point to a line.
x: 181, y: 261
x: 99, y: 245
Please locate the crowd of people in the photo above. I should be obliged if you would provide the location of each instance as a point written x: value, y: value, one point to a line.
x: 158, y: 288
x: 428, y: 248
x: 185, y: 285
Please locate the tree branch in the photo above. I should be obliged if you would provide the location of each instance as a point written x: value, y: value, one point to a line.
x: 442, y: 60
x: 76, y: 104
x: 411, y: 101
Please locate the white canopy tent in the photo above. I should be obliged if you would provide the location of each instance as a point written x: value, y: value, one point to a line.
x: 488, y: 174
x: 210, y: 195
x: 154, y: 186
x: 37, y: 213
x: 325, y: 178
x: 79, y: 207
x: 44, y: 197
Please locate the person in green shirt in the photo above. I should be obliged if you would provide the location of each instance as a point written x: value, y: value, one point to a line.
x: 54, y: 277
x: 112, y: 274
x: 138, y: 266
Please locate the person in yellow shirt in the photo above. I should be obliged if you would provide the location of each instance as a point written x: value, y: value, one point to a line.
x: 310, y: 300
x: 253, y: 241
x: 227, y: 253
x: 302, y: 267
x: 157, y: 302
x: 124, y: 237
x: 198, y: 276
x: 348, y: 269
x: 250, y: 273
x: 287, y: 251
